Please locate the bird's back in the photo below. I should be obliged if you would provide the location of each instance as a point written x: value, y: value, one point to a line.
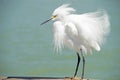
x: 92, y: 28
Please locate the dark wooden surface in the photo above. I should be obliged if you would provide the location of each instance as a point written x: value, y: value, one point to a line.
x: 41, y: 78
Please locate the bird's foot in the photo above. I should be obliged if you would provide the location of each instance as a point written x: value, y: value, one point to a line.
x: 74, y: 78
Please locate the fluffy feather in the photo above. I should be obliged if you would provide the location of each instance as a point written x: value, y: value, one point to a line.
x: 84, y: 31
x: 63, y: 10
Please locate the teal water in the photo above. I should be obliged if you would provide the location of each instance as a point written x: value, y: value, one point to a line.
x: 26, y: 48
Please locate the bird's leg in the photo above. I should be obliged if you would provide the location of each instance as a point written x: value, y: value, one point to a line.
x: 77, y: 64
x: 83, y: 68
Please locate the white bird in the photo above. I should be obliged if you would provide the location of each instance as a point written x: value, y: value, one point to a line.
x: 80, y: 32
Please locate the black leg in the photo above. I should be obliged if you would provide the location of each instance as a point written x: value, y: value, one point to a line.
x: 83, y: 68
x: 77, y: 64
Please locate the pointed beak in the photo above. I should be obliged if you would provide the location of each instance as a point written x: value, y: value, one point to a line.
x: 46, y: 21
x: 53, y: 17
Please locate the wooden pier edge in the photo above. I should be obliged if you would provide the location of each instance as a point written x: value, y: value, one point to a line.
x: 42, y: 78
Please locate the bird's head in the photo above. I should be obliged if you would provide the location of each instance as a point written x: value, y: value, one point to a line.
x: 61, y: 12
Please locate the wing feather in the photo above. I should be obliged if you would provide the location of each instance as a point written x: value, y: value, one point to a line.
x: 93, y: 28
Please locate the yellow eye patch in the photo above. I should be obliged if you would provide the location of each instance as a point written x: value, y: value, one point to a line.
x: 54, y: 16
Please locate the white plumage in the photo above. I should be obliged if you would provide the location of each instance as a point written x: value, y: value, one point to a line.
x: 79, y: 31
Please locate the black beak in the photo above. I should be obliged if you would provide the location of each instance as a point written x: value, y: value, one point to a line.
x: 46, y: 21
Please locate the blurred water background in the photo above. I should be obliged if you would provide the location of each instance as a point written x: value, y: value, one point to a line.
x: 26, y: 48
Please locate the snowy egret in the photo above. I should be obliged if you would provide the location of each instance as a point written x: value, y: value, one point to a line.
x: 80, y: 32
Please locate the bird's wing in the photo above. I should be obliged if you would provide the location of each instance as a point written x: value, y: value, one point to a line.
x: 71, y: 29
x: 71, y: 39
x: 93, y: 28
x: 58, y: 31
